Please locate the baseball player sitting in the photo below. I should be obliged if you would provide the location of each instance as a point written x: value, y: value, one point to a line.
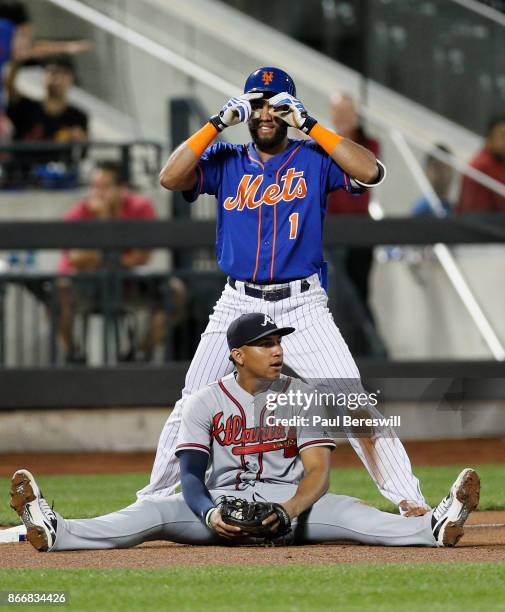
x: 266, y: 482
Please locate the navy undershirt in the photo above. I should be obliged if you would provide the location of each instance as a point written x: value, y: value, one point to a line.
x: 193, y: 465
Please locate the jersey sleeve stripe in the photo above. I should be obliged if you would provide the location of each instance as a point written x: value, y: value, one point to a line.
x: 191, y: 445
x: 346, y: 181
x: 316, y: 443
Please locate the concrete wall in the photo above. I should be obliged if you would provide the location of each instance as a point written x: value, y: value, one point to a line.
x: 419, y: 313
x: 114, y: 430
x: 81, y: 430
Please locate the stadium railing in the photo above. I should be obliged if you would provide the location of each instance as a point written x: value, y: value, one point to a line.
x: 141, y: 385
x: 53, y: 165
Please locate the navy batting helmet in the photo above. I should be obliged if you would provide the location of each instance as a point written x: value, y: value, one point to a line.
x: 271, y: 80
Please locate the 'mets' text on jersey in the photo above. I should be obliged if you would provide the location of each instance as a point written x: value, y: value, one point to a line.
x: 232, y: 427
x: 270, y: 214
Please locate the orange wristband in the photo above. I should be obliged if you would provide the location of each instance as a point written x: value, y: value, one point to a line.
x: 202, y: 139
x: 325, y: 138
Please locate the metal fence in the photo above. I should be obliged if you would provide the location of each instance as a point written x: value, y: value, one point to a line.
x: 31, y: 307
x: 103, y: 318
x: 64, y: 165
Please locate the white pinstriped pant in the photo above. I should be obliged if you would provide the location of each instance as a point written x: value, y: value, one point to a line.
x: 316, y: 350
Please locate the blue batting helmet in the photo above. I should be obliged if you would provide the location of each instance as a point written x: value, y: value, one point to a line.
x: 271, y: 80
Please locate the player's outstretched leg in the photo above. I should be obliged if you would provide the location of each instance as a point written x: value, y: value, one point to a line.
x: 318, y: 352
x: 39, y: 519
x: 338, y: 517
x: 46, y: 530
x: 451, y: 513
x: 145, y: 520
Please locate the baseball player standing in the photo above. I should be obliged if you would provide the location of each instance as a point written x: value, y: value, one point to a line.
x: 271, y: 203
x: 267, y: 481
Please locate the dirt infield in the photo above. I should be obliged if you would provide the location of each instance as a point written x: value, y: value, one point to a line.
x: 481, y: 543
x: 478, y: 545
x: 437, y: 452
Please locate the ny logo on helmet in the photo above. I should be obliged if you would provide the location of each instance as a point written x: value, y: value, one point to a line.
x: 267, y: 77
x: 266, y: 321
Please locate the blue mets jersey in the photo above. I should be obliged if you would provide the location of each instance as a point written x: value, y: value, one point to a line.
x: 270, y: 214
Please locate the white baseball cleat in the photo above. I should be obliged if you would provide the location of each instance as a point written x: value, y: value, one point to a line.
x: 38, y: 517
x: 451, y: 513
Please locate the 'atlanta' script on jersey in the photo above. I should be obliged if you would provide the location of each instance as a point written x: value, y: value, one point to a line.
x: 252, y: 440
x: 235, y: 431
x: 292, y: 186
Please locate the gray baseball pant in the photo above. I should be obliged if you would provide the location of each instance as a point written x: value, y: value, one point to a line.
x: 332, y: 518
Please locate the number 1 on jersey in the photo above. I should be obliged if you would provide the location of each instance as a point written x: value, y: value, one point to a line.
x: 293, y: 226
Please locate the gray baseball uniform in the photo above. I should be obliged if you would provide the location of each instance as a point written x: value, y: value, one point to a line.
x: 242, y: 446
x: 248, y: 459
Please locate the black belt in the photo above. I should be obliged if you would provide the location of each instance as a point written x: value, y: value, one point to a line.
x: 270, y: 295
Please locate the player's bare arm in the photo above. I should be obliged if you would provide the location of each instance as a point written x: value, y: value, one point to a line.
x: 357, y: 161
x: 179, y: 172
x: 314, y: 484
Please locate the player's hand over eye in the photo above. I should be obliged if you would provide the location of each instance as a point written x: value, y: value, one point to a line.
x: 236, y: 110
x: 221, y: 528
x: 292, y: 111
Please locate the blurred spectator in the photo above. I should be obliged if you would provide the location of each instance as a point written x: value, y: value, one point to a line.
x: 440, y: 176
x: 357, y: 262
x: 13, y: 23
x: 109, y: 198
x: 51, y: 119
x: 17, y: 43
x: 490, y: 160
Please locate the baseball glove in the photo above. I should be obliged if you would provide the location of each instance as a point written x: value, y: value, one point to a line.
x: 250, y: 515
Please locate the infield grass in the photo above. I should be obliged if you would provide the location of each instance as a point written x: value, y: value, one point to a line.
x: 388, y: 588
x: 86, y: 496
